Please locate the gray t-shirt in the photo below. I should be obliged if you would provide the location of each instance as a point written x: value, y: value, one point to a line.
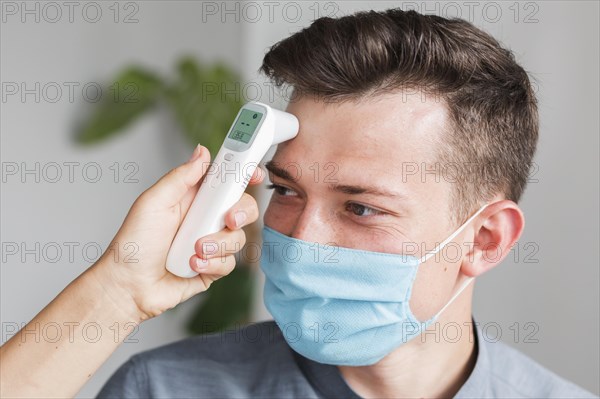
x: 256, y: 362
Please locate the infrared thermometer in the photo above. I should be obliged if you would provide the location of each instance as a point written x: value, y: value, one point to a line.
x: 256, y: 128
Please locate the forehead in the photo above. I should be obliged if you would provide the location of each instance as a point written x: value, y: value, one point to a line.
x: 379, y: 135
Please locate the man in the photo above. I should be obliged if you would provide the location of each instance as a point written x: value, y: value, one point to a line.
x: 416, y: 138
x: 414, y: 129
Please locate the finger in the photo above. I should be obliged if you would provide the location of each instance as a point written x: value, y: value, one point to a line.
x: 174, y: 186
x: 187, y: 200
x: 221, y: 243
x: 219, y: 267
x: 200, y: 283
x: 258, y: 176
x: 242, y: 213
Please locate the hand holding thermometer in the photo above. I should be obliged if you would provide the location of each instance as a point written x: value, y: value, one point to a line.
x: 256, y: 128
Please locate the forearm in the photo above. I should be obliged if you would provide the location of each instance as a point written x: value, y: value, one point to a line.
x: 56, y: 353
x: 60, y: 349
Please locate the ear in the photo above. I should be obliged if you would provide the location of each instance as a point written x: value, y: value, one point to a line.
x: 497, y: 229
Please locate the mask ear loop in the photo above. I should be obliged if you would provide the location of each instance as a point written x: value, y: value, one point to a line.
x: 428, y: 255
x: 442, y: 245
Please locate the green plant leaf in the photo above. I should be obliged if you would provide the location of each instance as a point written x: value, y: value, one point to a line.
x: 205, y: 101
x: 133, y: 92
x: 227, y: 302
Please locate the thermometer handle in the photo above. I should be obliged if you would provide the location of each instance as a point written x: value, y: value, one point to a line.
x: 223, y: 186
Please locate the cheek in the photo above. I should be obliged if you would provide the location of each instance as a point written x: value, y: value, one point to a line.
x: 433, y: 286
x: 279, y: 218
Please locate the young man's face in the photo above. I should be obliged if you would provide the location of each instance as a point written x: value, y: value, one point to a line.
x: 354, y: 184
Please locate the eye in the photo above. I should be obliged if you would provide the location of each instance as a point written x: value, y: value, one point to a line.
x: 362, y: 210
x: 281, y: 190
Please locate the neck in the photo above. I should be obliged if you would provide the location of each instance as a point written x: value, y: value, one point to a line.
x: 433, y: 365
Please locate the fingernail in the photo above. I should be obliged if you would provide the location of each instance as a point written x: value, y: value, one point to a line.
x: 209, y: 248
x: 240, y: 218
x: 196, y: 153
x: 201, y: 263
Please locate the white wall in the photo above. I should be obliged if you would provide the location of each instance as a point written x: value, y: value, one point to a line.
x: 559, y: 294
x: 82, y: 212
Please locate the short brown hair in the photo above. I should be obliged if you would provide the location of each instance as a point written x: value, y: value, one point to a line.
x: 491, y: 102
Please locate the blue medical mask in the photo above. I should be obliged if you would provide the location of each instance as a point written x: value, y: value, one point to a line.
x: 342, y: 306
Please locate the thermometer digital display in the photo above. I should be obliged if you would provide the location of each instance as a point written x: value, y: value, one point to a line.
x: 244, y: 127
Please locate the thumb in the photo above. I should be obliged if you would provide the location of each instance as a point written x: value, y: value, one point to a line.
x: 172, y: 187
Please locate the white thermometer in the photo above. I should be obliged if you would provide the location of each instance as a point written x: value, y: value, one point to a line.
x: 256, y: 128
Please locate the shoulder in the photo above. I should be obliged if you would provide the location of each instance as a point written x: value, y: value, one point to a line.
x: 515, y: 374
x: 235, y: 362
x: 251, y: 343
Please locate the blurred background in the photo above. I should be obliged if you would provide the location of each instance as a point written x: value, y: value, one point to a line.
x: 69, y: 175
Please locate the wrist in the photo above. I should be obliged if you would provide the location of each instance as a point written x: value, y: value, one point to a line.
x: 112, y: 296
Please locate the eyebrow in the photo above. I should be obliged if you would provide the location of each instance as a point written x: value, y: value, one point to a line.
x: 342, y: 188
